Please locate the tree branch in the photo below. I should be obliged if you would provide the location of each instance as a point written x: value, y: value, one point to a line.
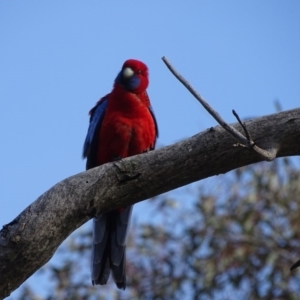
x: 246, y: 142
x: 30, y: 240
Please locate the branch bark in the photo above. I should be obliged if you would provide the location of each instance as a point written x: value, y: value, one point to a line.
x: 31, y: 239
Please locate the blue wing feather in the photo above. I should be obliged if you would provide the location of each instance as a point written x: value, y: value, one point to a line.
x: 97, y: 114
x: 156, y: 126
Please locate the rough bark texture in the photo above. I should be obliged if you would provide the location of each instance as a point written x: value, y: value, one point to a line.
x: 30, y: 240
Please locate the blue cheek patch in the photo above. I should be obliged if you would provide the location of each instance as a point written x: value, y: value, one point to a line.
x: 134, y: 82
x: 129, y: 84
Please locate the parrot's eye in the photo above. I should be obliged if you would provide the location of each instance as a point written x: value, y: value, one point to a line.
x: 139, y: 72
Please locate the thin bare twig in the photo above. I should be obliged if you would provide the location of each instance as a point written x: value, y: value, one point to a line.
x: 246, y: 142
x: 243, y: 125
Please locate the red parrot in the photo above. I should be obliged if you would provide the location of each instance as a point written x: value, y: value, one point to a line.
x: 122, y: 124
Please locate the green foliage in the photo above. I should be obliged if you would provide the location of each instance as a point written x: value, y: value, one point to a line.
x: 236, y: 241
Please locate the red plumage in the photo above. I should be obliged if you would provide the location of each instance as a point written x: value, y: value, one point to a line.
x: 122, y: 124
x: 127, y: 128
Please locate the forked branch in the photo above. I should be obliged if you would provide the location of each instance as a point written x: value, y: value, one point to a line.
x: 247, y: 141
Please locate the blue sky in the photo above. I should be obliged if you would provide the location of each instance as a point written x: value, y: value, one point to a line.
x: 57, y: 58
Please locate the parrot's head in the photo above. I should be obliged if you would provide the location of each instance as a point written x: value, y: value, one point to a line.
x: 133, y: 76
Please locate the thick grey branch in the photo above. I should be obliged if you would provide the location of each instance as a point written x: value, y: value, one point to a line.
x: 268, y: 155
x: 30, y: 240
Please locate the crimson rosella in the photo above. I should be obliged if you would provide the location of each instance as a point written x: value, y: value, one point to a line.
x: 122, y: 124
